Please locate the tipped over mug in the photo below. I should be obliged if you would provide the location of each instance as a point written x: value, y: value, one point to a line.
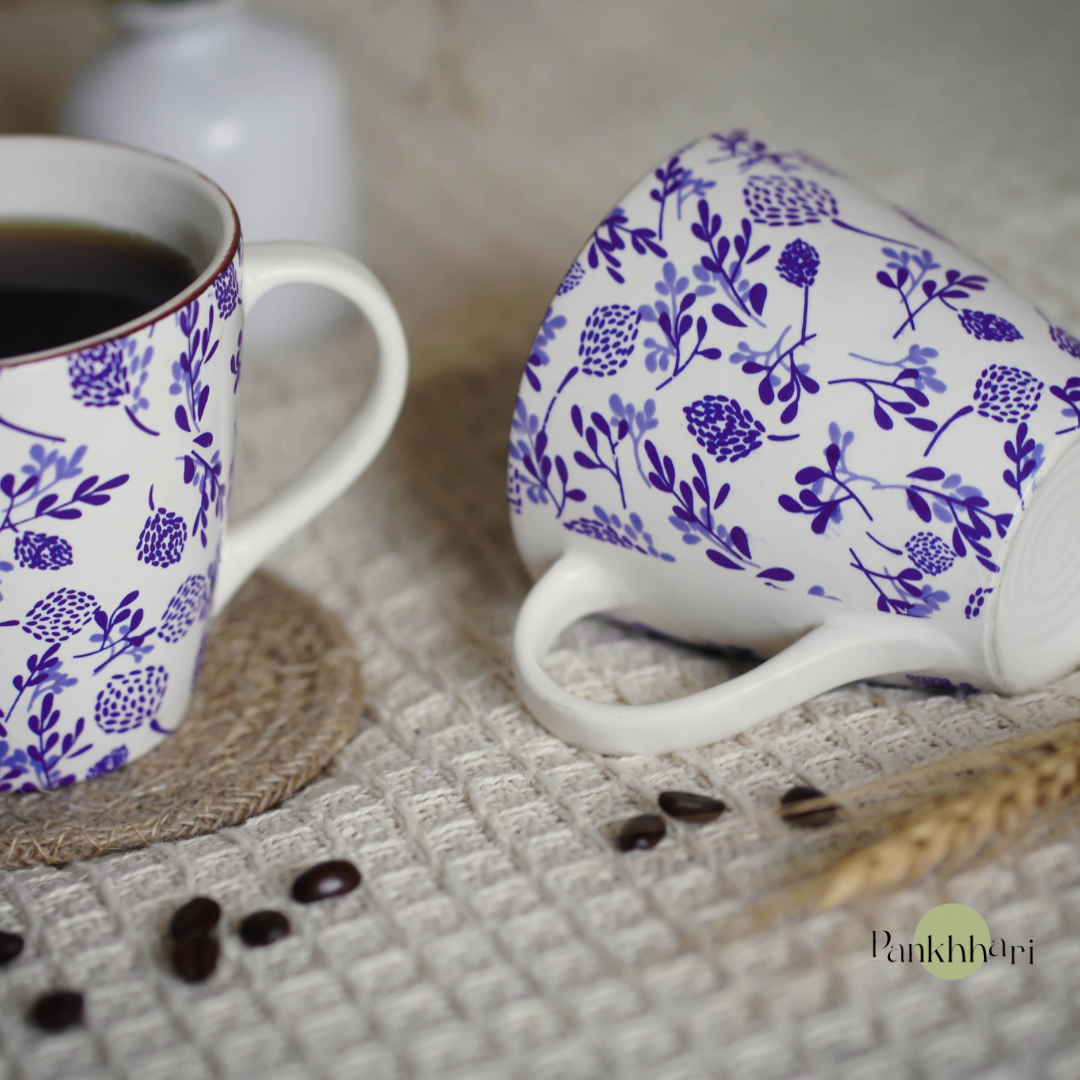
x: 768, y: 412
x: 116, y: 457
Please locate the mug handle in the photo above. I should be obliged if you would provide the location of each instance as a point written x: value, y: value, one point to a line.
x: 266, y: 266
x: 840, y: 651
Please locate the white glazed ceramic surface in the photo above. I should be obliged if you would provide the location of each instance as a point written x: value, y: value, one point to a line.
x: 116, y: 458
x: 765, y: 408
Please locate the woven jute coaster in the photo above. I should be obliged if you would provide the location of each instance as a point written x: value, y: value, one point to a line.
x: 279, y: 695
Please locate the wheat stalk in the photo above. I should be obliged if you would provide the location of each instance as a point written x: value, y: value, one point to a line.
x: 1017, y: 786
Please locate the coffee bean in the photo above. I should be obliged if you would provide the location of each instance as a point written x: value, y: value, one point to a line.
x: 195, y: 957
x: 10, y: 947
x: 323, y: 880
x: 811, y: 818
x: 57, y: 1010
x: 264, y: 928
x: 689, y: 806
x: 197, y: 916
x: 643, y: 831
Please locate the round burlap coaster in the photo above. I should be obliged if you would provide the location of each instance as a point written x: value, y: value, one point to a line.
x: 279, y: 695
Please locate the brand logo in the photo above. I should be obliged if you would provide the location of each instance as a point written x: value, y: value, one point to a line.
x: 952, y: 941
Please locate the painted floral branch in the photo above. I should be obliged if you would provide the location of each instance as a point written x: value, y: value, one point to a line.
x: 596, y: 461
x: 915, y: 399
x: 43, y: 725
x: 611, y: 237
x: 707, y: 230
x: 89, y: 492
x: 969, y: 513
x: 810, y: 502
x: 730, y: 548
x: 675, y: 322
x: 904, y: 582
x: 118, y: 636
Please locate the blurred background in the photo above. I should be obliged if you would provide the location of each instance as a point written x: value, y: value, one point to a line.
x: 494, y: 135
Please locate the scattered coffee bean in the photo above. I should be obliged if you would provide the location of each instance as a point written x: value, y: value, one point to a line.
x: 323, y: 880
x: 689, y: 806
x: 197, y: 916
x: 806, y: 818
x: 264, y: 928
x: 195, y: 957
x: 57, y: 1010
x: 643, y: 831
x: 10, y: 947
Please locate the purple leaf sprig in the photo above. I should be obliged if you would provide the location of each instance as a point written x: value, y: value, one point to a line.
x: 47, y: 470
x: 610, y: 239
x: 907, y: 583
x: 918, y: 358
x: 591, y: 432
x: 1025, y: 457
x: 967, y: 509
x: 1070, y: 395
x: 749, y: 152
x: 727, y: 548
x: 639, y: 423
x: 538, y: 358
x: 823, y: 510
x: 43, y: 724
x: 121, y: 632
x: 672, y: 315
x: 905, y: 407
x: 13, y: 763
x: 670, y: 180
x: 37, y: 672
x: 187, y: 371
x: 749, y: 299
x: 529, y: 445
x: 956, y: 286
x: 205, y: 475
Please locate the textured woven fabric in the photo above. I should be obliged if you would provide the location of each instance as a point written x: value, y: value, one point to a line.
x: 497, y: 932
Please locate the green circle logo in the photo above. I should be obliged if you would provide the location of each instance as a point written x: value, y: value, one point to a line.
x: 953, y: 941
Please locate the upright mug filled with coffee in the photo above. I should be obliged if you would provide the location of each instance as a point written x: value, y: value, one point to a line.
x: 123, y: 287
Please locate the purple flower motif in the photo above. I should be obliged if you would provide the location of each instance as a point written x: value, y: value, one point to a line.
x: 936, y: 682
x: 607, y: 341
x: 975, y: 603
x: 161, y: 542
x: 788, y: 200
x: 572, y: 280
x: 611, y: 529
x: 1065, y: 341
x: 183, y: 609
x: 987, y: 327
x: 930, y: 553
x: 109, y: 763
x: 60, y: 615
x: 1007, y: 394
x: 130, y: 699
x: 200, y: 656
x: 799, y: 264
x: 37, y: 551
x: 723, y: 427
x: 227, y: 291
x: 98, y: 376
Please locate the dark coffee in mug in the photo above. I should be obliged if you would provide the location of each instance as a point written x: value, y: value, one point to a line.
x: 61, y: 282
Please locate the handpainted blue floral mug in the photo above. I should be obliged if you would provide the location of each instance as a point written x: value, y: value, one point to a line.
x: 766, y: 411
x: 116, y: 457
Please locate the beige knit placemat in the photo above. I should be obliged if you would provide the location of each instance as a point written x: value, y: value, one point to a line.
x: 279, y: 695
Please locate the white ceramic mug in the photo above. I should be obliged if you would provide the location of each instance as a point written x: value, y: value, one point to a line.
x: 766, y: 411
x: 116, y: 458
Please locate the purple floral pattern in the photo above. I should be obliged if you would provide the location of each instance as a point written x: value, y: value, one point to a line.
x: 88, y: 676
x: 39, y: 551
x: 739, y: 303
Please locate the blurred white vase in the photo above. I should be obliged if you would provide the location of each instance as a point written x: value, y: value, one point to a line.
x: 255, y: 105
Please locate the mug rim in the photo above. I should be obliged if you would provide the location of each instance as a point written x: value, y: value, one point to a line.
x: 221, y: 258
